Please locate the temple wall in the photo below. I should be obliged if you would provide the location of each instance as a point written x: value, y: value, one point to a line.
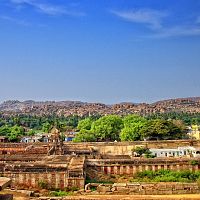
x: 132, y: 166
x: 50, y: 180
x: 125, y: 148
x: 104, y: 148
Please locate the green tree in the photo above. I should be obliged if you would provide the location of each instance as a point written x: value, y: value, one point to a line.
x: 84, y: 136
x: 16, y: 132
x: 31, y: 132
x: 4, y: 130
x: 46, y: 127
x: 161, y: 129
x: 132, y: 126
x: 141, y: 150
x: 85, y: 124
x: 107, y: 128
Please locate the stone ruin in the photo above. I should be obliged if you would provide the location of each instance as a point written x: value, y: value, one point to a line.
x: 66, y: 165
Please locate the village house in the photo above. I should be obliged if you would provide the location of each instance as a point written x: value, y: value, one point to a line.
x: 3, y: 139
x: 194, y: 132
x: 30, y: 139
x: 69, y: 136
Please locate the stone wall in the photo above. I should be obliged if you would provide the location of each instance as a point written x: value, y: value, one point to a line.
x: 51, y: 180
x: 147, y: 188
x: 103, y: 148
x: 132, y: 166
x: 125, y: 148
x: 53, y: 172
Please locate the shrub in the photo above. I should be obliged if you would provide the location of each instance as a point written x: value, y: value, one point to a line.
x: 60, y: 193
x: 74, y: 188
x: 166, y: 176
x: 43, y: 184
x: 194, y: 162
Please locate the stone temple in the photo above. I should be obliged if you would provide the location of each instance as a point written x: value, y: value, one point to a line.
x: 59, y: 164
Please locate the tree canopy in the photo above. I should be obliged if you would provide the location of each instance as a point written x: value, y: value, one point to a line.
x: 132, y: 127
x: 105, y: 128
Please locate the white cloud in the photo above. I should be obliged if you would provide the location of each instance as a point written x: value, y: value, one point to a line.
x: 152, y: 18
x: 178, y: 31
x: 48, y: 9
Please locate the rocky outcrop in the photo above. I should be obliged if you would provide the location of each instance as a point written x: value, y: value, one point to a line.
x: 67, y: 108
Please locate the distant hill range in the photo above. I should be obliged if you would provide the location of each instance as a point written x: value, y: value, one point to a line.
x: 67, y: 108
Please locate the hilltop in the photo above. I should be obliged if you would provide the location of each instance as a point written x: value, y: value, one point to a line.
x: 67, y: 108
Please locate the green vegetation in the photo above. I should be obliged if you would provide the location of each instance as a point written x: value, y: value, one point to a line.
x: 60, y: 193
x: 132, y: 130
x: 88, y: 180
x: 66, y: 192
x: 106, y: 128
x: 128, y: 128
x: 43, y: 184
x: 139, y: 151
x: 166, y: 176
x: 186, y: 118
x: 16, y: 126
x: 194, y: 162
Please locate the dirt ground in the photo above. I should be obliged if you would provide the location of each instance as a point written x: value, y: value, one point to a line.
x: 20, y: 196
x: 17, y: 196
x: 136, y: 197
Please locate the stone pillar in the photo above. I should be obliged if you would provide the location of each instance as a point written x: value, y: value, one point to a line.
x: 53, y: 180
x: 171, y: 167
x: 131, y: 169
x: 115, y: 170
x: 105, y: 169
x: 146, y: 167
x: 108, y: 170
x: 26, y: 179
x: 196, y: 168
x: 140, y: 168
x: 65, y: 180
x: 57, y: 181
x: 62, y: 180
x: 134, y: 169
x: 49, y: 179
x: 127, y: 170
x: 121, y: 170
x: 21, y: 179
x: 159, y: 167
x: 15, y: 180
x: 33, y: 180
x: 36, y: 179
x: 153, y: 168
x: 102, y: 169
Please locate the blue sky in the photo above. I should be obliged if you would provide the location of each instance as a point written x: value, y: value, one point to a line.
x: 99, y: 50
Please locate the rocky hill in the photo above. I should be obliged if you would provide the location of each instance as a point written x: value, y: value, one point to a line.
x: 66, y: 108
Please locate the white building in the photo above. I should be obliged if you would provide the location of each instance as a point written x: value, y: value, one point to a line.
x: 179, y: 152
x: 30, y: 139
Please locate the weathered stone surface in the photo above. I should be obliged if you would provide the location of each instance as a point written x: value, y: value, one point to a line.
x: 4, y: 182
x: 119, y: 184
x: 26, y: 192
x: 6, y: 197
x: 103, y: 189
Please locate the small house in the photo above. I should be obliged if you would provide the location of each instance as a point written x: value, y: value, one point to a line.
x: 3, y: 139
